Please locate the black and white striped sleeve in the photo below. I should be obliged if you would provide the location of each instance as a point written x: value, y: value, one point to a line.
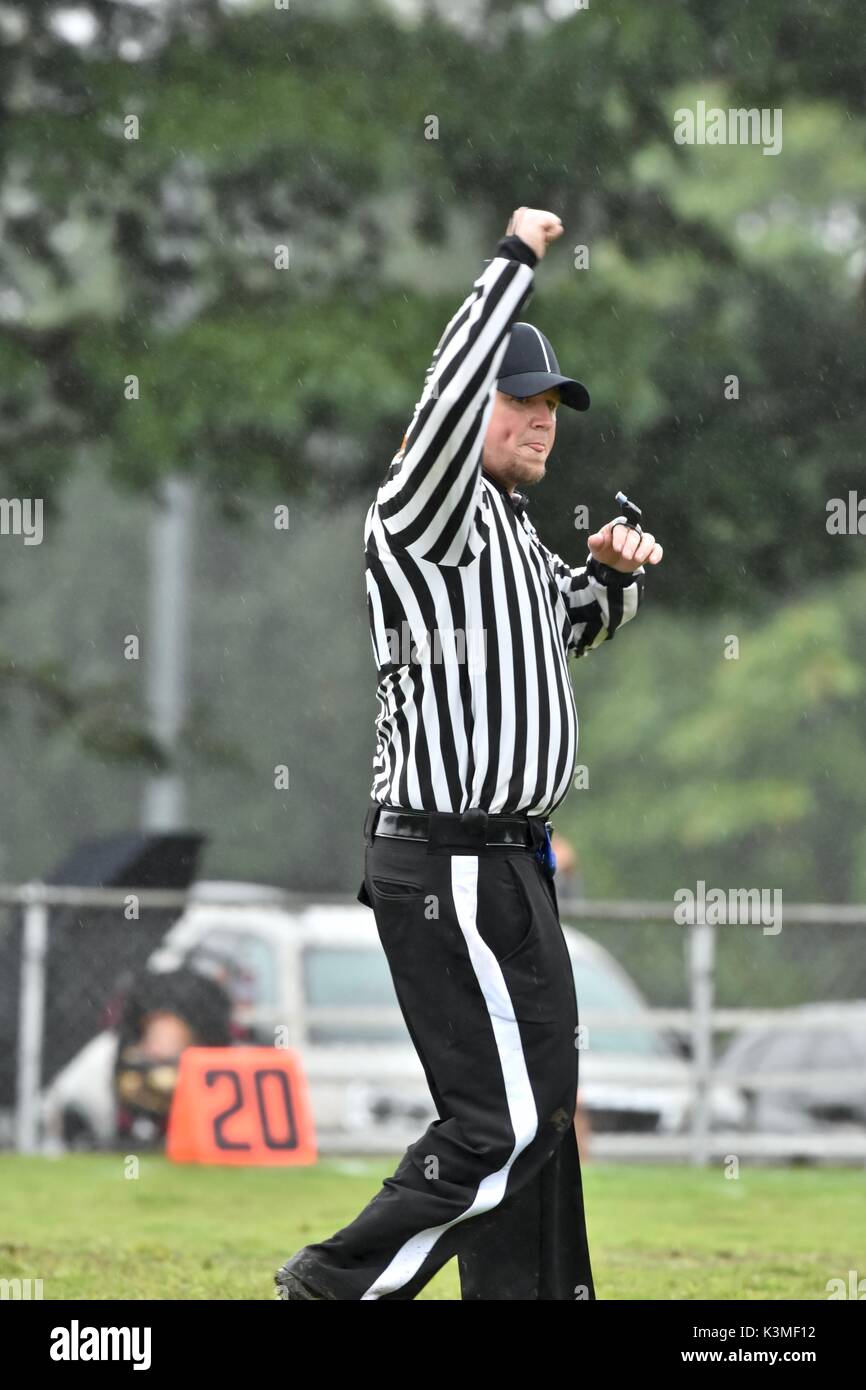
x: 599, y: 599
x: 430, y: 502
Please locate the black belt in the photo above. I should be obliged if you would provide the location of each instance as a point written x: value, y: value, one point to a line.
x: 471, y: 828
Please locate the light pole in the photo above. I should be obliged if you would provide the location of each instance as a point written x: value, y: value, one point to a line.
x: 166, y: 646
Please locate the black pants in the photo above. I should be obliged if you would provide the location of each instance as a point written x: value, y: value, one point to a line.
x: 484, y: 981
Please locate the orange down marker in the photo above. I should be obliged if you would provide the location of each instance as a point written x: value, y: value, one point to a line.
x: 241, y: 1105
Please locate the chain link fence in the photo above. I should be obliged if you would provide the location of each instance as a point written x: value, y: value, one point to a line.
x: 753, y: 1042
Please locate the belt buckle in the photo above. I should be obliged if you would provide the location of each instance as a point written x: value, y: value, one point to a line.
x: 476, y: 823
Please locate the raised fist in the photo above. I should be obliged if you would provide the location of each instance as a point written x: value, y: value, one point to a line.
x: 536, y: 227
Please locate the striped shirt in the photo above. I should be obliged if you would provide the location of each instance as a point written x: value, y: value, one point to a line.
x: 472, y: 618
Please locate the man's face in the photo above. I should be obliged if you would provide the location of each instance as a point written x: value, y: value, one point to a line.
x: 520, y: 435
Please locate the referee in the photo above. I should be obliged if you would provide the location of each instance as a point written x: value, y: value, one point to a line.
x: 472, y: 619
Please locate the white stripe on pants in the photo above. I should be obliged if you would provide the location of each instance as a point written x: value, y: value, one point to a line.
x: 521, y: 1103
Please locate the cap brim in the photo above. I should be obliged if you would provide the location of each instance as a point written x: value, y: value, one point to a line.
x: 572, y: 393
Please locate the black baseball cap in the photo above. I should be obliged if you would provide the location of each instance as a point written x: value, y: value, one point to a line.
x: 530, y: 366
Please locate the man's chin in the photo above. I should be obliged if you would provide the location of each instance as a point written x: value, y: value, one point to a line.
x: 526, y: 473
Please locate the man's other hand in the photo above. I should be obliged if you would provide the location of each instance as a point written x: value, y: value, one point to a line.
x: 623, y: 547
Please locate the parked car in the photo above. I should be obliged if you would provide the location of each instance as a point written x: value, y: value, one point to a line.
x: 822, y: 1072
x: 314, y: 977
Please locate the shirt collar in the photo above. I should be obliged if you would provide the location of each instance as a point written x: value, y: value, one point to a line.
x: 517, y: 500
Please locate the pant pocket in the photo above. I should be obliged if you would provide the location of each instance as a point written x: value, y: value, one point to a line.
x: 532, y: 968
x: 506, y: 921
x: 395, y: 888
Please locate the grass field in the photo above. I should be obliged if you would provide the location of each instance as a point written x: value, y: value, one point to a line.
x: 187, y: 1232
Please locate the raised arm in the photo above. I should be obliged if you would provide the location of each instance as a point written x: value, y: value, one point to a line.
x: 430, y: 502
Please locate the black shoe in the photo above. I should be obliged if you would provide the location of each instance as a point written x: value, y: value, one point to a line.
x: 291, y: 1286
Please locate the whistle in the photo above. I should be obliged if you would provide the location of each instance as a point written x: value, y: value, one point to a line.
x: 631, y: 512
